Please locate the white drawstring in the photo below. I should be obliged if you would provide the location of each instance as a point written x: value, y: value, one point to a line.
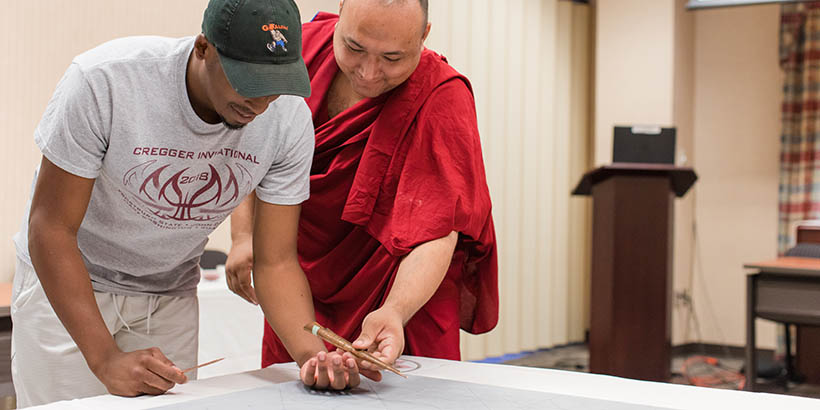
x: 119, y: 315
x: 152, y: 304
x: 153, y: 301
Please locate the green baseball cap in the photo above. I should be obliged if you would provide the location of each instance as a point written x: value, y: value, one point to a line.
x: 259, y: 43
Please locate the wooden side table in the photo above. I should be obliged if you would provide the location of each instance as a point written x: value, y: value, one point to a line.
x: 785, y: 290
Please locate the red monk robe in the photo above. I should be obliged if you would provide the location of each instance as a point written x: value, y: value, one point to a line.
x: 388, y: 174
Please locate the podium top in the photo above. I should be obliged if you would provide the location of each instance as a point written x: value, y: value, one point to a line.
x: 681, y: 178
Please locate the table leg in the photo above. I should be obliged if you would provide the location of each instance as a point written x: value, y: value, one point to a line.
x: 751, y: 359
x: 791, y: 374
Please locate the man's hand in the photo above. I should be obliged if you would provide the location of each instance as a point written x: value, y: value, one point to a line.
x: 238, y: 270
x: 383, y: 335
x: 139, y: 372
x: 335, y: 371
x: 330, y: 371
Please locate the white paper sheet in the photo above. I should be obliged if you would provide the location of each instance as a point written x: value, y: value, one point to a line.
x: 396, y: 393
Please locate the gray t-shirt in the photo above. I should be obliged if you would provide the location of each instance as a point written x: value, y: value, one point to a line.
x: 164, y: 179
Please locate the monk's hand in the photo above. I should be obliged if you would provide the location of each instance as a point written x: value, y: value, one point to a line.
x: 330, y: 371
x: 382, y: 335
x: 238, y: 269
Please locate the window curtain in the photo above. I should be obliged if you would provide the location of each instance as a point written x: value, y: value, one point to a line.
x: 799, y: 194
x: 532, y: 99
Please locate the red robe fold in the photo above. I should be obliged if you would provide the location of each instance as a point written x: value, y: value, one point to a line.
x: 388, y: 174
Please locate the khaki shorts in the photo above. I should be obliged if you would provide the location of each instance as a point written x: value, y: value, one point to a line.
x: 47, y: 366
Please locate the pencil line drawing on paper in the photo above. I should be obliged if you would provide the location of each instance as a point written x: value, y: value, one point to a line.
x: 395, y: 393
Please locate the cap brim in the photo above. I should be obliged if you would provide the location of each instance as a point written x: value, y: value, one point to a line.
x: 253, y: 80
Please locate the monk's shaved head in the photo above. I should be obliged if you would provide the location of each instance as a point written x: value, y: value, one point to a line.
x: 378, y: 43
x: 422, y: 5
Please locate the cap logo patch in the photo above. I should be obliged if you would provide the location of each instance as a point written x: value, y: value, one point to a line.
x: 279, y: 39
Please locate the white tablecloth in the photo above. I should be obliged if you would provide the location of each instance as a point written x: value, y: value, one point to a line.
x: 232, y: 328
x: 229, y: 327
x: 672, y: 396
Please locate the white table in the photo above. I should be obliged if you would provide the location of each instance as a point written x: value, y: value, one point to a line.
x: 551, y: 381
x: 229, y: 327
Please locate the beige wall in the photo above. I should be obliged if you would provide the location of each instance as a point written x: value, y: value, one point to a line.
x: 634, y: 73
x: 683, y: 111
x: 737, y: 129
x: 714, y: 75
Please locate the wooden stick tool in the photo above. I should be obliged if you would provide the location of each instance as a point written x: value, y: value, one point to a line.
x: 329, y: 336
x: 202, y: 365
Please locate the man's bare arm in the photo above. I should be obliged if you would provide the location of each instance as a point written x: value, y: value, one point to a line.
x: 281, y: 285
x: 284, y: 294
x: 242, y: 219
x: 57, y: 210
x: 239, y: 265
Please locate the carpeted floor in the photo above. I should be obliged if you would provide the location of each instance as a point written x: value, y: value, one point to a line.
x: 576, y: 358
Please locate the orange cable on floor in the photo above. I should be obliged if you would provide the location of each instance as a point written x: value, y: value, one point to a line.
x: 707, y: 371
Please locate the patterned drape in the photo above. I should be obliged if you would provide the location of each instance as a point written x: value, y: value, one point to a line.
x: 800, y: 151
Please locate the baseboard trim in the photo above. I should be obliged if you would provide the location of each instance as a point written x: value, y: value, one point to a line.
x: 514, y: 356
x: 682, y: 350
x: 710, y: 349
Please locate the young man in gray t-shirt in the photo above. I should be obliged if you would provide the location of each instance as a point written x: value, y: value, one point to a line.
x: 148, y: 145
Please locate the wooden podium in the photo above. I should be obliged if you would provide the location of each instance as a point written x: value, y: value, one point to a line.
x: 631, y: 279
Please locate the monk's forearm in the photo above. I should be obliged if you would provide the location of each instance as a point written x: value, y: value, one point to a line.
x: 284, y: 294
x: 420, y: 274
x: 242, y: 219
